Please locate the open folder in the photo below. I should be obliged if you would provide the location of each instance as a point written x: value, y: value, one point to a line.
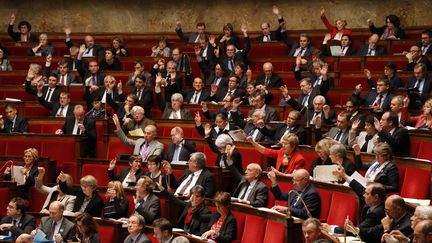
x: 17, y: 175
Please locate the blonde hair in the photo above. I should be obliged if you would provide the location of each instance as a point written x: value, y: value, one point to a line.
x: 324, y: 145
x: 118, y: 187
x: 89, y: 180
x: 291, y: 139
x: 33, y: 152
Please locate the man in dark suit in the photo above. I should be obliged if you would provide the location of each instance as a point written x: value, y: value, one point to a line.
x: 50, y: 93
x: 147, y: 204
x: 123, y: 109
x: 371, y: 48
x: 64, y: 76
x: 80, y: 125
x: 55, y: 226
x: 183, y: 64
x: 110, y: 89
x: 345, y: 44
x: 234, y: 56
x: 276, y: 35
x: 421, y: 84
x: 17, y: 220
x: 414, y: 57
x: 128, y: 176
x: 197, y: 94
x: 92, y: 74
x: 339, y: 133
x: 291, y: 126
x: 251, y: 127
x: 192, y: 37
x: 303, y: 201
x: 378, y: 99
x: 90, y: 48
x: 303, y: 48
x: 268, y: 78
x: 390, y: 132
x: 318, y: 76
x: 426, y: 42
x: 136, y: 224
x: 232, y: 90
x: 61, y: 108
x: 173, y: 109
x: 197, y: 174
x: 195, y: 215
x: 214, y: 76
x: 180, y: 149
x: 260, y: 104
x: 205, y: 53
x: 12, y: 122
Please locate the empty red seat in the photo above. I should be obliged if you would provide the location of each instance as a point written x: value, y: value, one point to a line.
x: 117, y: 147
x: 240, y: 218
x: 326, y: 197
x: 98, y: 171
x: 56, y: 149
x: 37, y: 200
x: 4, y: 201
x: 275, y: 232
x: 106, y: 233
x: 254, y: 229
x: 251, y: 155
x: 341, y: 207
x: 424, y: 150
x: 416, y: 183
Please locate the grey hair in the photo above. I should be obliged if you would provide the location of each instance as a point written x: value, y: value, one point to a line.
x: 338, y: 150
x: 321, y: 98
x: 137, y: 109
x: 223, y: 140
x: 177, y: 96
x: 200, y: 158
x: 425, y: 212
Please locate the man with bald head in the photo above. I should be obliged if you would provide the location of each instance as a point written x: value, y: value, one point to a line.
x: 180, y: 149
x: 303, y: 201
x: 143, y: 146
x: 55, y: 226
x: 371, y: 48
x: 423, y: 232
x: 268, y: 78
x: 91, y: 49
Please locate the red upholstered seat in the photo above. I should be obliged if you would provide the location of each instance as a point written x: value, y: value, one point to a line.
x: 251, y: 155
x: 275, y: 232
x: 131, y: 205
x: 240, y: 218
x: 117, y: 147
x: 270, y: 197
x: 415, y: 146
x: 401, y: 171
x: 416, y: 183
x: 326, y: 197
x: 72, y: 170
x: 36, y: 111
x: 106, y: 233
x: 349, y: 64
x: 254, y: 229
x: 98, y: 171
x: 424, y: 150
x: 37, y: 200
x: 54, y: 150
x: 4, y: 200
x: 211, y: 156
x: 341, y: 207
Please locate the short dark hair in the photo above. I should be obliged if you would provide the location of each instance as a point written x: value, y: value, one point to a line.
x: 29, y: 27
x: 10, y: 106
x: 223, y: 198
x: 155, y: 158
x: 234, y: 76
x: 198, y: 189
x: 391, y: 65
x: 355, y: 101
x: 349, y: 37
x: 88, y: 222
x: 140, y: 62
x: 394, y: 118
x: 427, y: 32
x: 378, y: 189
x: 370, y: 119
x: 20, y: 204
x: 394, y: 20
x: 201, y: 24
x: 163, y: 224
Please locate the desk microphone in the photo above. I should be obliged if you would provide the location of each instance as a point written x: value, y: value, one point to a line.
x: 301, y: 199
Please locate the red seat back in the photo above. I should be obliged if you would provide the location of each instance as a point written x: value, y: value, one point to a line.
x: 37, y: 200
x: 251, y: 155
x: 254, y: 229
x: 425, y: 151
x: 54, y: 150
x: 240, y: 218
x: 106, y: 233
x: 98, y: 171
x: 326, y: 197
x: 4, y: 201
x: 275, y: 232
x: 416, y: 183
x: 342, y: 206
x: 17, y: 147
x: 117, y: 147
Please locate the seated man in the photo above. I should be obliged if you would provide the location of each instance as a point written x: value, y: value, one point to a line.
x: 56, y: 227
x: 80, y: 125
x: 219, y: 94
x: 390, y: 132
x: 197, y: 94
x: 268, y: 35
x: 192, y: 37
x: 180, y: 149
x: 183, y: 63
x: 123, y: 109
x: 90, y: 48
x: 268, y: 78
x: 250, y: 189
x: 144, y: 93
x: 195, y: 214
x: 378, y: 99
x: 139, y: 70
x: 415, y: 56
x: 17, y: 220
x: 197, y: 174
x: 136, y: 224
x: 339, y: 133
x: 215, y: 76
x: 303, y: 48
x: 205, y: 54
x: 233, y: 56
x: 138, y: 120
x: 50, y: 93
x: 345, y: 43
x: 311, y: 228
x: 173, y: 109
x: 319, y: 76
x: 371, y: 48
x: 143, y: 146
x: 92, y: 73
x: 303, y: 201
x: 251, y: 127
x: 64, y: 76
x: 12, y: 122
x: 426, y: 42
x: 163, y: 230
x: 109, y: 88
x: 291, y: 125
x: 147, y: 204
x: 61, y: 108
x: 420, y: 84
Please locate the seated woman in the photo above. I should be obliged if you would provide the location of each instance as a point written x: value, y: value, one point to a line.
x: 35, y: 74
x: 337, y: 30
x: 162, y: 49
x: 229, y: 37
x: 338, y: 156
x: 4, y: 62
x: 390, y: 31
x: 287, y: 158
x: 117, y: 206
x: 154, y: 163
x: 54, y: 193
x: 44, y: 48
x: 87, y: 198
x: 29, y: 171
x: 195, y: 215
x: 382, y: 170
x: 87, y: 229
x: 243, y: 73
x: 222, y: 226
x: 322, y: 148
x: 118, y: 47
x: 128, y: 176
x: 220, y: 146
x: 24, y: 28
x: 110, y: 62
x: 366, y: 139
x: 421, y: 121
x: 390, y: 70
x: 220, y: 126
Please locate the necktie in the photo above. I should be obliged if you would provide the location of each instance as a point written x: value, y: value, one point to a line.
x: 229, y: 93
x: 62, y: 81
x: 48, y: 95
x: 144, y: 151
x: 139, y: 94
x: 380, y: 97
x: 251, y: 132
x: 13, y: 126
x: 195, y: 99
x: 140, y: 202
x: 267, y: 38
x: 417, y: 84
x: 244, y: 190
x: 370, y: 52
x: 14, y: 222
x: 182, y: 191
x: 305, y: 101
x: 88, y: 50
x: 317, y: 82
x: 174, y: 114
x: 94, y: 81
x: 301, y: 51
x: 338, y: 135
x: 176, y: 153
x: 343, y: 49
x: 51, y: 235
x: 60, y: 113
x: 231, y: 64
x: 267, y: 81
x: 365, y: 145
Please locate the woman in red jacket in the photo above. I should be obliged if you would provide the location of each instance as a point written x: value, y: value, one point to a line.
x: 337, y: 30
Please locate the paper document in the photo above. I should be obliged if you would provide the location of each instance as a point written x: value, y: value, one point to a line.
x: 180, y: 162
x: 237, y: 135
x: 137, y: 132
x: 40, y: 236
x: 325, y: 173
x: 17, y: 175
x: 360, y: 179
x: 68, y: 213
x: 13, y: 99
x: 349, y: 239
x: 336, y: 51
x: 269, y: 210
x: 418, y: 202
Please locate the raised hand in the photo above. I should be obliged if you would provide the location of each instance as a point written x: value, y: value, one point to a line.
x: 207, y: 129
x: 178, y: 24
x: 116, y: 121
x: 369, y: 21
x: 358, y: 88
x: 229, y: 151
x: 82, y: 49
x: 112, y: 164
x: 324, y: 70
x: 167, y: 166
x: 272, y: 176
x: 159, y: 184
x: 327, y: 37
x: 216, y: 52
x: 244, y: 30
x: 275, y: 10
x: 158, y: 80
x: 197, y: 119
x: 368, y: 73
x: 62, y: 176
x: 12, y: 18
x: 326, y: 110
x: 284, y: 91
x: 41, y: 171
x: 357, y: 149
x: 322, y: 10
x: 355, y: 124
x: 236, y: 103
x: 67, y: 31
x: 298, y: 60
x: 377, y: 124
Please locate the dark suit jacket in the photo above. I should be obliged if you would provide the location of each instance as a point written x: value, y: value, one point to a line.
x: 258, y: 196
x: 150, y: 209
x: 30, y: 181
x: 88, y: 97
x: 205, y: 96
x: 275, y: 80
x: 186, y: 150
x: 228, y: 231
x: 427, y: 87
x: 388, y: 176
x: 307, y: 51
x: 371, y: 97
x: 98, y: 51
x: 122, y: 176
x: 236, y: 156
x: 120, y: 208
x: 399, y: 141
x: 53, y: 107
x: 67, y: 229
x: 364, y: 48
x: 214, y: 133
x: 200, y: 216
x: 403, y: 225
x: 275, y: 35
x: 95, y: 205
x: 310, y: 197
x: 190, y: 37
x: 85, y: 73
x: 71, y: 78
x: 423, y: 59
x: 398, y: 32
x: 322, y: 88
x: 21, y: 125
x: 210, y: 75
x: 351, y: 51
x: 146, y: 97
x: 332, y: 133
x: 276, y: 133
x: 224, y: 91
x: 89, y: 133
x: 239, y: 56
x: 32, y: 91
x: 206, y: 180
x: 270, y: 113
x: 212, y: 115
x: 296, y: 104
x: 16, y: 36
x: 25, y: 225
